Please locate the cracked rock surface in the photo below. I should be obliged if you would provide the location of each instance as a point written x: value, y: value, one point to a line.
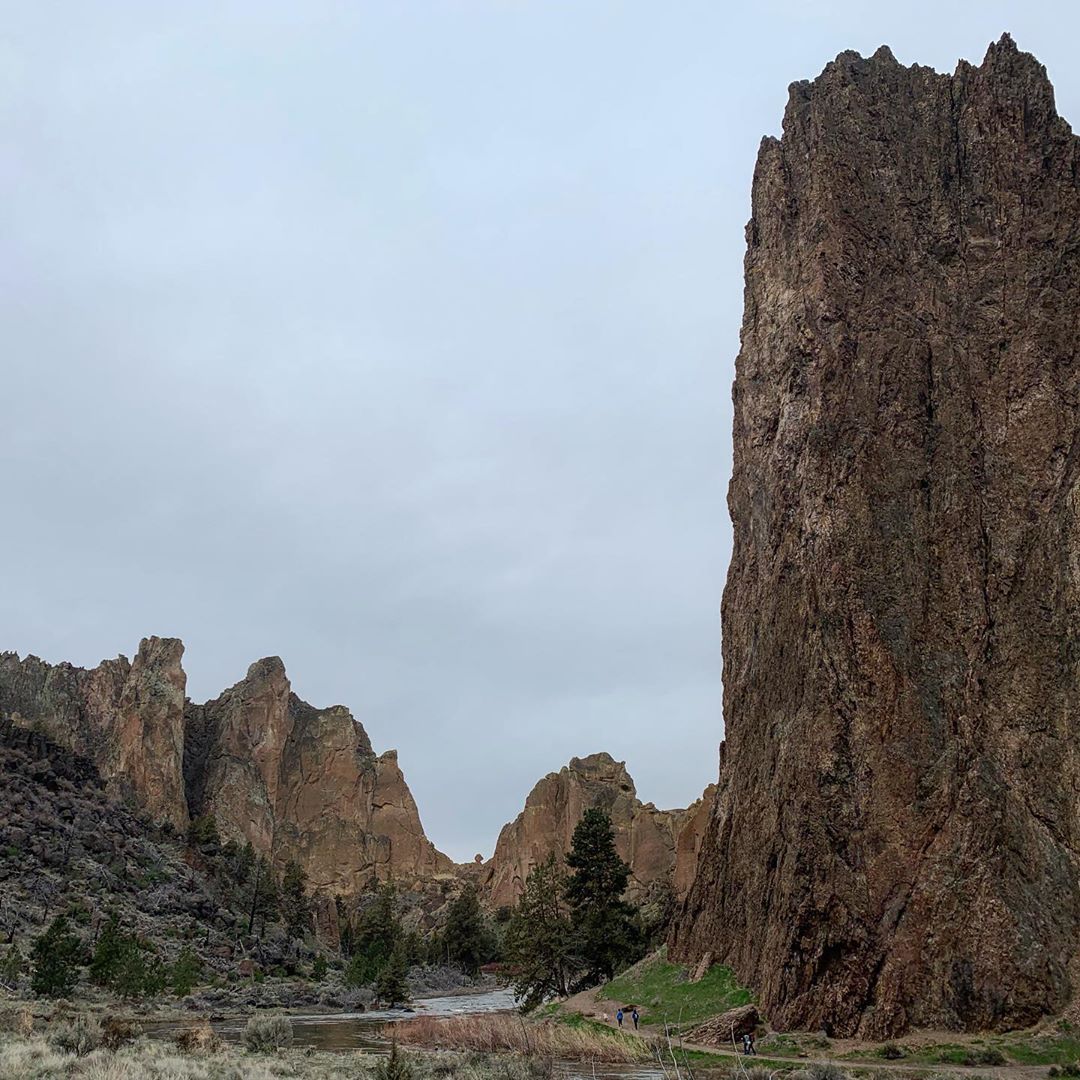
x: 895, y: 837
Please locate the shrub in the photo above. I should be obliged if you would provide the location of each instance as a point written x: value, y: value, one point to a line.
x: 890, y: 1051
x: 318, y: 968
x: 986, y: 1055
x: 393, y: 1067
x: 264, y: 1033
x: 821, y: 1070
x: 79, y: 1036
x: 116, y: 1032
x: 198, y: 1039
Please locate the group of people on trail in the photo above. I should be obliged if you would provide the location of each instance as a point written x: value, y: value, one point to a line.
x: 633, y: 1016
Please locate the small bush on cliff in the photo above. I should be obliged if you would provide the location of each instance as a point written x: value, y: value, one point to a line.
x: 57, y: 955
x: 265, y: 1033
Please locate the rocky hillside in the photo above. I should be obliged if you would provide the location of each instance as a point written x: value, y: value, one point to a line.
x: 648, y: 839
x: 896, y: 837
x: 297, y: 782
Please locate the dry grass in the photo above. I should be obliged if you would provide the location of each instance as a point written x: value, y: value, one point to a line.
x: 501, y: 1033
x: 36, y: 1059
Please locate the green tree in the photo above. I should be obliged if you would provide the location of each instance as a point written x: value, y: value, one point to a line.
x: 11, y: 967
x: 203, y: 832
x: 185, y: 972
x: 262, y: 899
x: 295, y: 902
x: 139, y: 974
x: 392, y: 983
x: 319, y: 968
x: 539, y: 940
x: 605, y: 929
x: 465, y: 937
x: 108, y: 953
x: 56, y: 955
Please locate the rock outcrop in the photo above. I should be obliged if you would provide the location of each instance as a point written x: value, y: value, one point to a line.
x: 644, y: 836
x: 297, y: 782
x: 305, y: 784
x: 896, y: 832
x: 125, y: 716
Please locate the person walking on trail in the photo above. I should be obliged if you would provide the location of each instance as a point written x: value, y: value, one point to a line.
x: 634, y: 1016
x: 618, y: 1017
x: 746, y: 1043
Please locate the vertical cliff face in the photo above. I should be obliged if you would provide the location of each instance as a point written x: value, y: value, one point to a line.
x: 126, y: 717
x: 298, y: 782
x: 304, y: 784
x: 645, y: 837
x: 896, y: 831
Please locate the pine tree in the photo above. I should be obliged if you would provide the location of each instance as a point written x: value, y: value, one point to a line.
x: 262, y: 901
x: 57, y: 955
x: 539, y: 940
x: 465, y: 937
x: 108, y: 953
x: 295, y: 903
x: 605, y: 930
x: 319, y: 968
x: 392, y: 985
x: 185, y: 972
x: 11, y: 967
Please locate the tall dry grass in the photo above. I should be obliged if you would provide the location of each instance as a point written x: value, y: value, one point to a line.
x: 501, y: 1033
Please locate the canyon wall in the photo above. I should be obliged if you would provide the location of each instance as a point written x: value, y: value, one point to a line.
x: 297, y: 782
x: 895, y: 836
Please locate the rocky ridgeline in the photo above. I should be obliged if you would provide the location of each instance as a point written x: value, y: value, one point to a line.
x: 896, y: 834
x: 299, y: 783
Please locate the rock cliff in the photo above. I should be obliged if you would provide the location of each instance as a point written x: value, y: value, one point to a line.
x: 125, y: 716
x: 895, y: 837
x: 646, y: 838
x: 298, y: 782
x: 305, y: 784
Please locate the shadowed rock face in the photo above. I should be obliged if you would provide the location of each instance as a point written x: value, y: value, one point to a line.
x: 298, y: 782
x: 896, y: 829
x: 126, y: 717
x: 645, y: 837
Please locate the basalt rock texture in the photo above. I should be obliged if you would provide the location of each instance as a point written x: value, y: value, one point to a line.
x: 644, y: 836
x: 125, y: 716
x: 297, y: 782
x: 896, y: 829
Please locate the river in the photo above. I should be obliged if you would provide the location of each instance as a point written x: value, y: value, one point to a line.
x: 365, y: 1031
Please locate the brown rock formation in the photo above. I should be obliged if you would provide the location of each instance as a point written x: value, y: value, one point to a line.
x: 125, y: 716
x: 689, y: 839
x: 298, y: 782
x: 304, y: 784
x: 896, y: 830
x: 645, y: 837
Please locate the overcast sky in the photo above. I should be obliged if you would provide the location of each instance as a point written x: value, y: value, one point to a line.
x: 396, y: 339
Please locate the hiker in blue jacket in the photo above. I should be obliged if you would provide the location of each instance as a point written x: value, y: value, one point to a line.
x: 618, y: 1016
